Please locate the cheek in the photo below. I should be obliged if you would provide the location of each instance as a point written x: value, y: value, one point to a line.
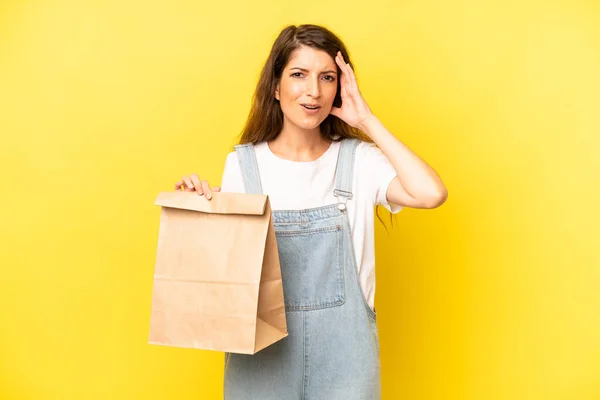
x: 329, y: 92
x: 294, y: 90
x: 332, y: 91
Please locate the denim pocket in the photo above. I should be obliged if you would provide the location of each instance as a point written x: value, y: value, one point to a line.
x: 311, y: 268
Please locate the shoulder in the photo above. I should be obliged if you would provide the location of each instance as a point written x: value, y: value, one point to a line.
x: 258, y: 148
x: 373, y: 166
x: 368, y: 152
x: 231, y: 180
x: 364, y: 152
x: 368, y: 155
x: 367, y: 148
x: 231, y: 159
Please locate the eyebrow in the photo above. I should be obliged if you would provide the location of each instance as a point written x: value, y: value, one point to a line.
x: 324, y: 72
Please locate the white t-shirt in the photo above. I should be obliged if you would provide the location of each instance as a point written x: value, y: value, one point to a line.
x: 297, y: 185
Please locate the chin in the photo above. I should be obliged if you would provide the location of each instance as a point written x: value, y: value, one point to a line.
x: 303, y: 122
x: 309, y: 124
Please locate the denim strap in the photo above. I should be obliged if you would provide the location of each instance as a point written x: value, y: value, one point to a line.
x: 344, y: 171
x: 249, y: 167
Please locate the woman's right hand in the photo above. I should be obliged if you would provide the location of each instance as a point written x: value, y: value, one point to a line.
x: 193, y: 183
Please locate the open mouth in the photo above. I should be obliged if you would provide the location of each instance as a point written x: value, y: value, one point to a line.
x: 310, y: 107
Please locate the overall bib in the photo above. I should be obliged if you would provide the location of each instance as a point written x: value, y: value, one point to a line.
x: 332, y: 351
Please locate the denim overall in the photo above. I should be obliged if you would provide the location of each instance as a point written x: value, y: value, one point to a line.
x: 332, y: 351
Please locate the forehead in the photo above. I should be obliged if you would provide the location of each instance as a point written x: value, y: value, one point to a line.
x: 310, y: 58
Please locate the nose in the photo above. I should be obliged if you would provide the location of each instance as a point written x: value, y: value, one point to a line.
x: 313, y: 87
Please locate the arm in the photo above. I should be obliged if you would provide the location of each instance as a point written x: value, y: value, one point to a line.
x: 416, y: 185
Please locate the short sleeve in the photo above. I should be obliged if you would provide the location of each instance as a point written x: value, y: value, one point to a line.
x: 232, y: 181
x: 376, y: 173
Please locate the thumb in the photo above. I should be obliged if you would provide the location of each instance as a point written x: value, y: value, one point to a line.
x: 216, y: 189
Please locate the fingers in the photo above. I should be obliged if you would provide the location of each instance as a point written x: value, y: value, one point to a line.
x: 188, y: 184
x: 347, y: 72
x: 353, y: 82
x: 206, y: 190
x: 197, y: 184
x: 193, y: 183
x: 339, y: 59
x: 346, y: 77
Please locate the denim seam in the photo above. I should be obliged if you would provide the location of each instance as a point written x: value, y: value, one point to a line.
x: 306, y: 362
x: 305, y: 223
x: 316, y: 306
x: 304, y: 210
x: 340, y: 261
x: 308, y: 231
x: 370, y: 312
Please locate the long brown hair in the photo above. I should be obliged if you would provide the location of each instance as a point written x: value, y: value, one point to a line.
x: 265, y: 120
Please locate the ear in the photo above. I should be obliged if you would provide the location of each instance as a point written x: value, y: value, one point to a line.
x: 277, y: 92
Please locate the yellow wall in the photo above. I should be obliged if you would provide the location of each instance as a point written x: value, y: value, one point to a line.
x: 105, y: 103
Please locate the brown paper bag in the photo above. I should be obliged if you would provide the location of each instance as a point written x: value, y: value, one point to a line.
x: 217, y: 280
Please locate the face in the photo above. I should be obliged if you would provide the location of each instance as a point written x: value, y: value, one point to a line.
x: 307, y: 88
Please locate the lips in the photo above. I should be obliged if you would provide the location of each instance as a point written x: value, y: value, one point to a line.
x: 311, y: 106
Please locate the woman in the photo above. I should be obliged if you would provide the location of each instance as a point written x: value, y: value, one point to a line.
x: 313, y: 145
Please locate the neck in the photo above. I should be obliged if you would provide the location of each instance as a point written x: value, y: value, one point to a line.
x: 297, y: 144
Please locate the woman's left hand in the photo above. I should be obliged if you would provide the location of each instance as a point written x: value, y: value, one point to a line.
x: 354, y: 110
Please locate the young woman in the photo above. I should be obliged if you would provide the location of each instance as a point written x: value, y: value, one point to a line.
x: 312, y: 145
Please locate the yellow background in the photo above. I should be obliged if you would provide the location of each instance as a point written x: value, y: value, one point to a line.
x: 105, y: 103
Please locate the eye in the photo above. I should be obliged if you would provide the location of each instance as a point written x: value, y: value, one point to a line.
x: 296, y: 74
x: 330, y: 78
